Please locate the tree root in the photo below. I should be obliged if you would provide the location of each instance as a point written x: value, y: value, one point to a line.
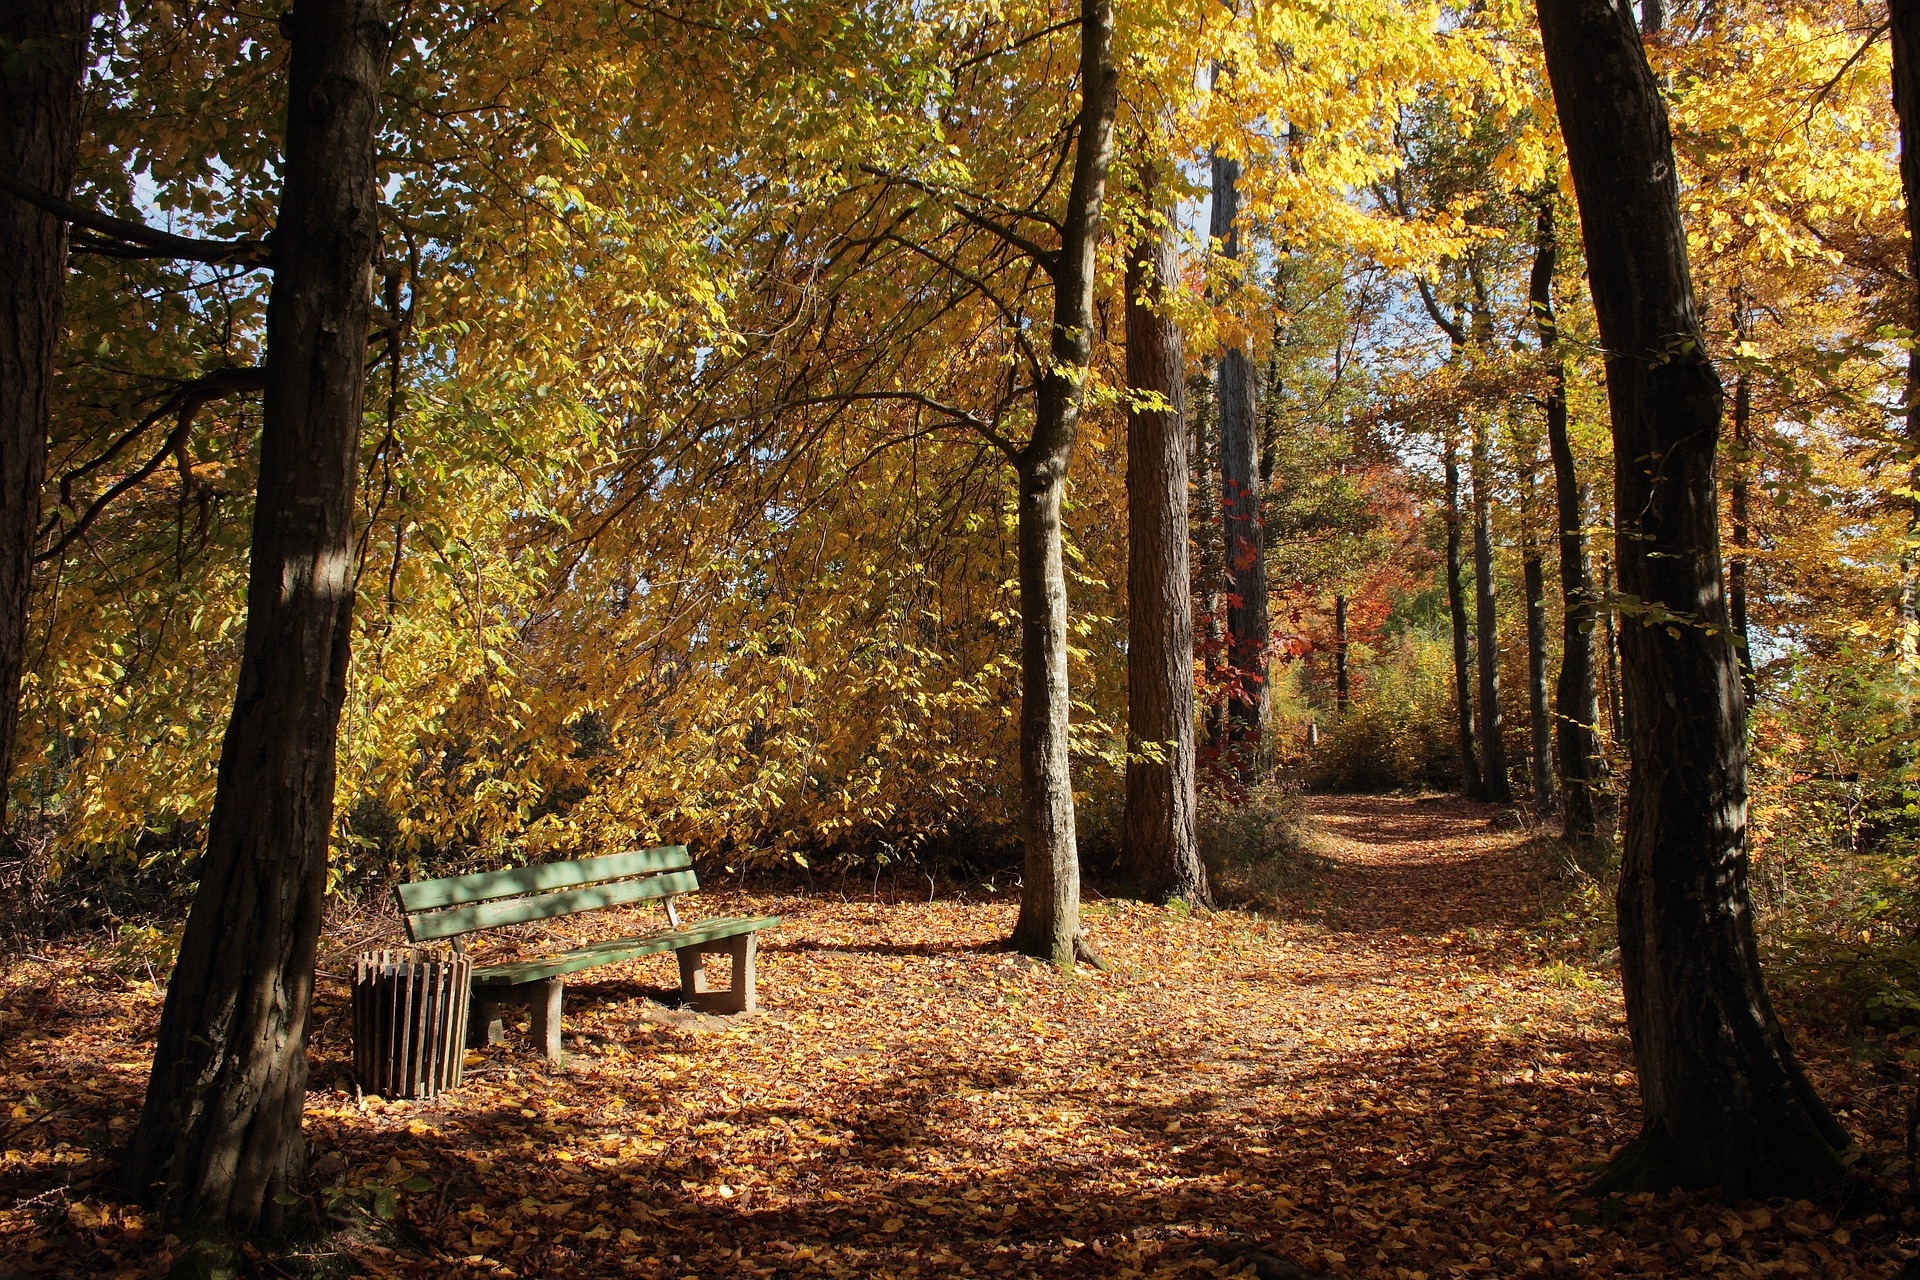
x: 1655, y: 1161
x: 1084, y: 953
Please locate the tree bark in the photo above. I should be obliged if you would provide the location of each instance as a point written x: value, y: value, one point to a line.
x: 1160, y: 859
x: 1244, y: 528
x: 1617, y: 706
x: 1539, y: 724
x: 1493, y: 739
x: 1904, y: 26
x: 1726, y: 1104
x: 1049, y: 923
x: 1470, y: 781
x: 39, y: 133
x: 219, y: 1139
x: 1210, y: 591
x: 1576, y: 710
x: 1342, y: 693
x: 1737, y: 501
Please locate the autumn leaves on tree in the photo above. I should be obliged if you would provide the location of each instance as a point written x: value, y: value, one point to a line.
x: 926, y: 427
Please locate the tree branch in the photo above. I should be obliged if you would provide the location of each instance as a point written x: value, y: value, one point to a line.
x: 963, y: 417
x: 973, y: 281
x: 119, y: 238
x: 1017, y: 45
x: 1454, y: 330
x: 1047, y: 258
x: 185, y: 403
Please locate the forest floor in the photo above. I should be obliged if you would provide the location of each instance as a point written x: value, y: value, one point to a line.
x: 1406, y: 1069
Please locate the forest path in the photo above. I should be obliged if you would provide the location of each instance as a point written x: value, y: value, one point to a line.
x: 1429, y: 864
x: 1400, y: 1071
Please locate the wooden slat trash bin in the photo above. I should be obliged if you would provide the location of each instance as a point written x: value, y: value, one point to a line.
x: 410, y: 1020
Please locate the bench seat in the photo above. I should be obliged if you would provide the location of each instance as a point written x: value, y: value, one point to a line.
x: 457, y: 905
x: 614, y: 950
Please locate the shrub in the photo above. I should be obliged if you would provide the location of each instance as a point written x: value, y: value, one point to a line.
x: 1257, y: 847
x: 1397, y: 734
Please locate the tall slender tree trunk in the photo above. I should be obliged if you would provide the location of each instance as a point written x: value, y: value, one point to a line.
x: 1244, y: 529
x: 1471, y: 783
x: 1726, y: 1103
x: 1904, y: 21
x: 1210, y: 586
x: 1576, y: 710
x: 1342, y: 692
x: 1486, y: 616
x: 219, y: 1139
x: 1539, y: 724
x: 1161, y: 855
x: 1737, y: 501
x: 1616, y: 701
x: 1049, y: 923
x: 43, y: 60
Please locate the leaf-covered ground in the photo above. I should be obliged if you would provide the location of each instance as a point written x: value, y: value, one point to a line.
x: 1407, y: 1080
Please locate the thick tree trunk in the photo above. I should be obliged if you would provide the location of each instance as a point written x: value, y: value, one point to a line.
x: 1160, y: 860
x: 1737, y: 499
x: 1539, y: 723
x: 1245, y: 530
x: 219, y: 1138
x: 1576, y: 710
x: 1904, y: 22
x: 1726, y: 1103
x: 1471, y: 784
x: 1493, y: 737
x: 39, y: 132
x: 1049, y: 923
x: 1342, y: 692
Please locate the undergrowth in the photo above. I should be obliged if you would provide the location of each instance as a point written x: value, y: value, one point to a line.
x: 1259, y: 849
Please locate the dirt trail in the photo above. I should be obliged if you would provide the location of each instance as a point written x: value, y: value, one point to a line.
x: 1399, y: 1081
x: 1426, y: 865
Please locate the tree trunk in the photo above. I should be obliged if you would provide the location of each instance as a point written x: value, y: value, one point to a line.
x: 1737, y: 499
x: 1726, y: 1103
x: 1049, y: 923
x: 1493, y: 740
x: 1616, y: 704
x: 1539, y: 724
x: 1904, y: 23
x: 39, y: 132
x: 1342, y: 694
x: 1470, y: 781
x: 219, y: 1139
x: 1210, y: 590
x: 1161, y: 857
x: 1245, y: 531
x: 1576, y: 728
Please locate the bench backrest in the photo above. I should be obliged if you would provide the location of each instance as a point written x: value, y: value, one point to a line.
x: 487, y: 899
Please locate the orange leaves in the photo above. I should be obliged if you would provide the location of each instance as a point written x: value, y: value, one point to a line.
x: 1411, y: 1088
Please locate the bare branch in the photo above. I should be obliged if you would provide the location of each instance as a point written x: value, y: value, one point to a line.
x: 1454, y: 330
x: 1014, y: 47
x: 184, y: 403
x: 119, y: 238
x: 1047, y: 258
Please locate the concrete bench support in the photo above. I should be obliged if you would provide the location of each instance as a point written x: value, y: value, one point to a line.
x: 487, y: 1023
x: 739, y: 998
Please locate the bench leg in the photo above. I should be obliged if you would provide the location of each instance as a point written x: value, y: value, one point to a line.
x: 741, y: 997
x: 485, y: 1023
x: 543, y: 1000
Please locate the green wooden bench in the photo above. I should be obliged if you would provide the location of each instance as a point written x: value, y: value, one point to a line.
x: 458, y: 905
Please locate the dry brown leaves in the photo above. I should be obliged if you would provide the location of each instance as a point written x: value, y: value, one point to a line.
x: 1409, y: 1090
